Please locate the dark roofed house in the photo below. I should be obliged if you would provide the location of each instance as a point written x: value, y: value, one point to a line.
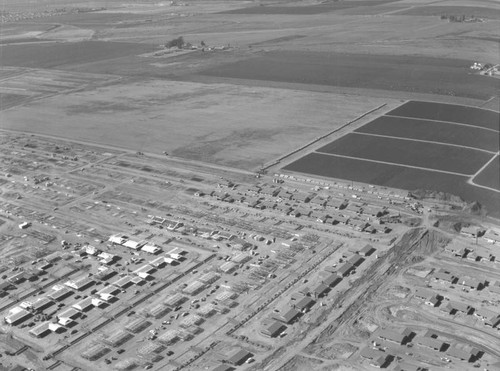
x: 345, y: 269
x: 400, y: 338
x: 304, y: 304
x: 367, y: 250
x: 445, y: 276
x: 431, y: 343
x: 455, y: 306
x: 287, y: 317
x: 320, y: 289
x: 332, y: 280
x: 356, y: 260
x: 273, y: 329
x: 239, y: 356
x: 463, y: 352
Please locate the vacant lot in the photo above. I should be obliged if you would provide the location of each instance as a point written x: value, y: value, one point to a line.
x: 407, y: 152
x: 412, y: 74
x: 490, y: 176
x: 468, y: 11
x: 449, y: 112
x: 395, y: 176
x: 226, y: 124
x: 58, y: 55
x: 434, y: 131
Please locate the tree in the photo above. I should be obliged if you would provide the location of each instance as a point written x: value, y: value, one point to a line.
x: 203, y: 43
x: 178, y: 42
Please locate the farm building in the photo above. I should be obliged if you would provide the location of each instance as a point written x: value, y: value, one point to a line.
x: 17, y: 315
x: 472, y: 231
x: 492, y: 236
x: 494, y: 287
x: 371, y: 353
x: 241, y: 258
x: 207, y: 310
x: 320, y: 290
x: 404, y: 366
x: 226, y: 295
x: 191, y: 320
x: 457, y: 307
x: 273, y: 329
x: 106, y: 258
x: 472, y: 283
x: 117, y: 239
x: 150, y: 348
x: 87, y: 304
x: 133, y: 245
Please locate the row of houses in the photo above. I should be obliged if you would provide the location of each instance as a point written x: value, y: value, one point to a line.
x: 474, y: 254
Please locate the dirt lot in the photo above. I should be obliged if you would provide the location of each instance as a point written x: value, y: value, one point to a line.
x: 407, y: 152
x: 432, y: 131
x: 424, y: 75
x: 225, y: 124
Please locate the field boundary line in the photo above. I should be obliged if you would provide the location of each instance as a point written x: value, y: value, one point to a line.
x: 447, y: 122
x: 471, y: 179
x: 423, y: 141
x: 396, y: 164
x: 317, y: 139
x: 451, y: 104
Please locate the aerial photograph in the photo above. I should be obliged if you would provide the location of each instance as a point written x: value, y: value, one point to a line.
x: 249, y: 185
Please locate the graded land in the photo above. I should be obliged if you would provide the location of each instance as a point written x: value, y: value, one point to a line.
x: 170, y: 209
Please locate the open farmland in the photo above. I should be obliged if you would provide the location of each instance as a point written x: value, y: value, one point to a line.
x: 409, y: 74
x: 403, y: 152
x: 58, y: 55
x: 449, y: 112
x: 308, y: 9
x: 464, y: 161
x: 450, y: 10
x: 439, y: 132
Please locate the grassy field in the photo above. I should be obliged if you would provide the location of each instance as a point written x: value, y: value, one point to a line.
x: 308, y: 9
x: 396, y: 176
x: 407, y: 152
x: 450, y: 112
x: 468, y: 11
x: 412, y: 74
x: 490, y: 176
x: 232, y: 125
x: 58, y: 55
x: 433, y: 131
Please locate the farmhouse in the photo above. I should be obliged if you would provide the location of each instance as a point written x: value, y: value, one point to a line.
x: 332, y: 280
x: 144, y: 271
x: 123, y: 282
x: 356, y: 260
x: 345, y: 269
x: 367, y: 250
x: 454, y: 306
x: 303, y: 304
x: 445, y: 276
x: 108, y: 293
x: 68, y: 316
x: 44, y: 328
x: 151, y: 249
